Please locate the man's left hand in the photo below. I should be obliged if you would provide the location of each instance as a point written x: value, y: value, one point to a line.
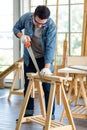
x: 45, y: 71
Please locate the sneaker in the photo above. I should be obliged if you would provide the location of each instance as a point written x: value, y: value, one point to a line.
x: 27, y: 113
x: 25, y: 116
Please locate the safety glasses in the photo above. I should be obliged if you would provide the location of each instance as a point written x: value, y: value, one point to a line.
x: 39, y: 23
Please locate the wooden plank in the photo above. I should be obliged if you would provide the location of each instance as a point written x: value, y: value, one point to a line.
x: 69, y: 70
x: 67, y: 127
x: 47, y: 78
x: 4, y: 73
x: 79, y: 67
x: 19, y: 92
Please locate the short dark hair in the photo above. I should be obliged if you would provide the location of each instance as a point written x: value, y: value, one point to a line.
x: 42, y: 12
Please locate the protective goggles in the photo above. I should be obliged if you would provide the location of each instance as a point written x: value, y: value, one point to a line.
x: 39, y: 23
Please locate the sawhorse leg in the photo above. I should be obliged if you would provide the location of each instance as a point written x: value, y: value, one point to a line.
x: 16, y: 75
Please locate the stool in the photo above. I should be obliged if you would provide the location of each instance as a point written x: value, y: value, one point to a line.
x: 45, y: 119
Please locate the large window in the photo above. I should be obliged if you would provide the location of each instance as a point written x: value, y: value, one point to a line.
x: 70, y: 21
x: 6, y: 40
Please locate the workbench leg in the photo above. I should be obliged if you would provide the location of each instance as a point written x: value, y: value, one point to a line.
x: 83, y: 91
x: 41, y: 98
x: 68, y: 97
x: 78, y: 96
x: 67, y: 108
x: 12, y: 87
x: 22, y: 112
x: 58, y: 94
x: 70, y: 90
x: 50, y: 106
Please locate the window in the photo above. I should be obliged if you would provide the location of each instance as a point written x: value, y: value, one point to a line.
x: 70, y: 21
x: 6, y: 40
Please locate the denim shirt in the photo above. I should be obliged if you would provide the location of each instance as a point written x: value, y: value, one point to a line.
x: 48, y: 39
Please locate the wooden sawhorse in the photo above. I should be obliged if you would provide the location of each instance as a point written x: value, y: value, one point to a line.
x: 18, y: 69
x: 79, y: 110
x: 45, y: 119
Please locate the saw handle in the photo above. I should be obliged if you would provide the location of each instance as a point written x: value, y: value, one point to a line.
x: 27, y: 44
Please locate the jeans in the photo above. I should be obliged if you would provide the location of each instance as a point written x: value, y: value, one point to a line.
x: 46, y: 86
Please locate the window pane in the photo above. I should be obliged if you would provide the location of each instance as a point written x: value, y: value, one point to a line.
x: 76, y: 1
x: 6, y: 7
x: 33, y: 9
x: 63, y: 1
x: 6, y: 56
x: 61, y: 38
x: 53, y: 12
x: 36, y: 2
x: 76, y: 41
x: 58, y: 60
x: 51, y: 2
x: 6, y: 40
x: 63, y: 19
x: 6, y: 23
x: 76, y: 18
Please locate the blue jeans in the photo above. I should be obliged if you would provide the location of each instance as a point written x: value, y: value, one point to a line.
x: 46, y: 86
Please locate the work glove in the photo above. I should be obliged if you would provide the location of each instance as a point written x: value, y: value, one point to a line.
x: 45, y: 71
x: 25, y: 40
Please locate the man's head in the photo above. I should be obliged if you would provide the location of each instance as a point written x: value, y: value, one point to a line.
x: 41, y: 16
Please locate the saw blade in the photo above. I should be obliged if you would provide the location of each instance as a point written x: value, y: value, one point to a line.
x: 33, y: 59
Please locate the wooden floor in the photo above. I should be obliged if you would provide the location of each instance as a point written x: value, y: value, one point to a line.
x: 9, y: 112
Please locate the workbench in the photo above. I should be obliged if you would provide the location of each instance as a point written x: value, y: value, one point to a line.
x: 78, y: 75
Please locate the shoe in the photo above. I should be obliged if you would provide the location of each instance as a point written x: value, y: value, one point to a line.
x: 25, y: 116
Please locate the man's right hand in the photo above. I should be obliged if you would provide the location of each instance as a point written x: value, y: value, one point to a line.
x: 25, y: 39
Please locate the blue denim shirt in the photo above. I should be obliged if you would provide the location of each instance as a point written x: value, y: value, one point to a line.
x: 48, y: 39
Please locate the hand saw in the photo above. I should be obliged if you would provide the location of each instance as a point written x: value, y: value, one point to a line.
x: 28, y: 45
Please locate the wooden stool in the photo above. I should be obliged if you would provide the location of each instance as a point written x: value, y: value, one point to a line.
x: 45, y: 119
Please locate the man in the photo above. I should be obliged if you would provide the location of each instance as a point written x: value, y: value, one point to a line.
x: 40, y: 30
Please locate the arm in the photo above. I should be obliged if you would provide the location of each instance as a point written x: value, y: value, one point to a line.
x: 50, y: 44
x: 49, y: 51
x: 20, y: 25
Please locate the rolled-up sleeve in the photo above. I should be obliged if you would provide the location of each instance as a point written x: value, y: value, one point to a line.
x: 20, y: 24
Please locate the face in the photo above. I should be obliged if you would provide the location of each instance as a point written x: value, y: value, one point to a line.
x: 39, y: 22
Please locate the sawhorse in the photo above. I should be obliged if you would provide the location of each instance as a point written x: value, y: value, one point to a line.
x: 18, y: 70
x: 45, y: 119
x: 79, y: 83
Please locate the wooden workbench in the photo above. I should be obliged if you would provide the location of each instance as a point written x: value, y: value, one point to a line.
x: 78, y: 74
